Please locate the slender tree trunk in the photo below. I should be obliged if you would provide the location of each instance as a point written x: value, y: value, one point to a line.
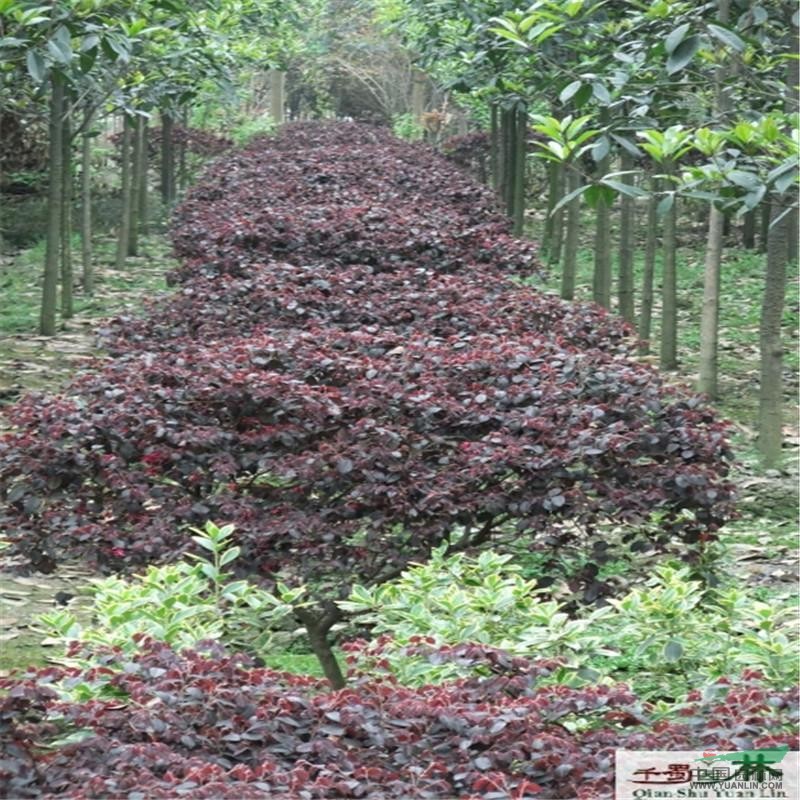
x: 511, y: 159
x: 521, y: 143
x: 626, y: 227
x: 553, y: 196
x: 557, y: 238
x: 86, y: 208
x: 651, y: 244
x: 792, y: 107
x: 167, y: 160
x: 47, y: 320
x: 602, y: 245
x: 124, y: 231
x: 770, y: 398
x: 143, y: 183
x: 749, y: 230
x: 136, y: 168
x: 67, y: 302
x: 763, y: 232
x: 494, y: 149
x: 504, y: 157
x: 669, y: 288
x: 183, y: 172
x: 719, y: 225
x: 709, y: 318
x: 793, y: 234
x: 317, y: 630
x: 277, y: 86
x: 569, y: 268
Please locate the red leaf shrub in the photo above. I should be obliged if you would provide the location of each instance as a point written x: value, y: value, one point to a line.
x: 356, y: 196
x: 278, y: 295
x: 347, y: 453
x: 213, y: 727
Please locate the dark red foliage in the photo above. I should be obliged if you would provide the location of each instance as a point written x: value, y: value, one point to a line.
x: 358, y: 401
x: 371, y: 447
x: 355, y: 196
x: 213, y: 727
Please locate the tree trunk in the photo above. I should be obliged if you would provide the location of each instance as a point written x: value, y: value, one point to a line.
x: 136, y: 168
x: 183, y: 171
x: 709, y: 318
x: 67, y: 303
x: 510, y: 169
x: 317, y: 629
x: 770, y: 422
x: 569, y: 268
x: 141, y: 194
x: 494, y: 149
x: 669, y: 289
x: 86, y: 208
x: 124, y: 231
x: 167, y: 160
x: 719, y: 227
x: 749, y: 230
x: 626, y: 227
x: 602, y: 246
x: 763, y: 233
x: 520, y: 146
x: 553, y: 196
x: 557, y: 239
x: 277, y: 86
x: 502, y: 154
x: 646, y: 311
x: 47, y: 320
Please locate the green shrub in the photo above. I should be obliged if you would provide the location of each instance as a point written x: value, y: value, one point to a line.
x: 457, y: 599
x: 404, y: 126
x: 180, y: 604
x: 248, y: 129
x: 664, y: 639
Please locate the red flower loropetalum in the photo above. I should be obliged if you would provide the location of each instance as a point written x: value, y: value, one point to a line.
x: 344, y: 454
x: 211, y: 726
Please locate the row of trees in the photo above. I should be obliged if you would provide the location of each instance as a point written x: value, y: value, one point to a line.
x: 86, y: 63
x: 670, y: 105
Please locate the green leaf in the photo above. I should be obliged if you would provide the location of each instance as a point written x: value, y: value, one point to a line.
x: 783, y: 176
x: 601, y: 148
x: 598, y: 193
x: 747, y: 180
x: 727, y: 37
x: 582, y: 96
x: 568, y: 198
x: 37, y: 68
x: 89, y: 42
x: 60, y: 46
x: 569, y: 91
x: 625, y: 188
x: 204, y: 542
x: 673, y: 651
x: 676, y: 37
x: 683, y: 54
x: 230, y: 555
x: 664, y: 205
x: 601, y: 93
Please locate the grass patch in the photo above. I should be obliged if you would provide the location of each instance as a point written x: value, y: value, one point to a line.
x: 116, y: 290
x: 740, y: 311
